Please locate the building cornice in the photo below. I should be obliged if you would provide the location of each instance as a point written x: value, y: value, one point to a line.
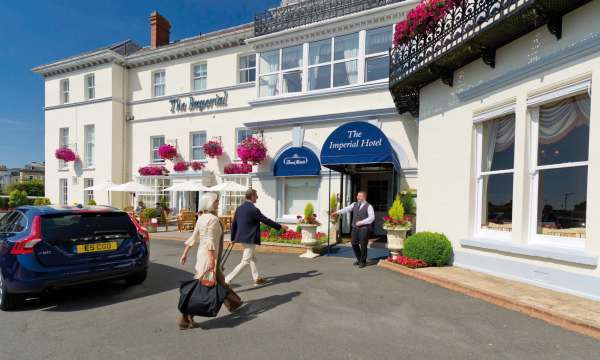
x: 80, y: 103
x: 80, y: 62
x: 381, y: 16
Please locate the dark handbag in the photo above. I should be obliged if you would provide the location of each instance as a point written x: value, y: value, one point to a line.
x: 199, y: 300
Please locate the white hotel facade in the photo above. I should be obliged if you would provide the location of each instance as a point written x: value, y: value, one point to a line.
x: 498, y: 112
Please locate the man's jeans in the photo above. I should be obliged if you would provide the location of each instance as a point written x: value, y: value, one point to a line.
x: 248, y: 258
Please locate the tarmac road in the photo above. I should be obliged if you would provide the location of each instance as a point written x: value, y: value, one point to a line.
x: 313, y: 309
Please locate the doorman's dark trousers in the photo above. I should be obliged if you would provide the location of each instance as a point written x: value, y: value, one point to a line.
x: 360, y: 241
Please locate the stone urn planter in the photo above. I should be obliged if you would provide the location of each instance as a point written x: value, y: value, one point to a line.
x: 395, y: 240
x: 333, y: 229
x: 309, y: 240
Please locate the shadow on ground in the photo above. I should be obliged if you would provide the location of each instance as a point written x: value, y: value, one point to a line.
x: 161, y: 278
x: 249, y: 311
x: 283, y: 279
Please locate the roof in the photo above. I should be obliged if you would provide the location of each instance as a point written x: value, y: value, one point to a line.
x: 129, y: 54
x: 51, y: 210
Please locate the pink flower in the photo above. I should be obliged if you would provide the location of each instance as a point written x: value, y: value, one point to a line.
x: 153, y: 170
x: 65, y: 154
x: 237, y: 168
x: 252, y: 150
x: 197, y: 165
x: 167, y: 152
x: 181, y: 166
x: 213, y: 148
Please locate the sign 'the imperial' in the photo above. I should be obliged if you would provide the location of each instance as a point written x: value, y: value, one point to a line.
x: 177, y: 105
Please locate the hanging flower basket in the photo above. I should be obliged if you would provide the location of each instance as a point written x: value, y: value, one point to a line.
x: 167, y: 152
x: 213, y: 148
x: 237, y: 168
x: 65, y: 154
x: 197, y: 165
x: 423, y: 18
x: 252, y: 150
x: 153, y: 170
x: 181, y: 166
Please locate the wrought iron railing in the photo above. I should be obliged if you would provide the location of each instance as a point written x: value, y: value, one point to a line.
x: 310, y: 11
x: 472, y: 30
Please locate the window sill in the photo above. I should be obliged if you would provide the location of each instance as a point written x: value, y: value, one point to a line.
x: 569, y: 255
x: 91, y: 168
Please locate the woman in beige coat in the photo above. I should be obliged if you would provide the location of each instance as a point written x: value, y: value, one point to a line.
x: 208, y: 233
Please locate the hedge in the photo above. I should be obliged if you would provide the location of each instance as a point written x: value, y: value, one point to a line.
x: 433, y: 248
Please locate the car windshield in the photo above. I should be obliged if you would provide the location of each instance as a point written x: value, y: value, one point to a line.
x: 83, y: 225
x: 6, y: 222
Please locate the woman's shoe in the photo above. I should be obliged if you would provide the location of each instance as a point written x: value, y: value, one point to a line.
x: 183, y: 322
x: 191, y: 323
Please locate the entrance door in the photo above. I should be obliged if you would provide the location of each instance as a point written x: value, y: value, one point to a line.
x: 378, y: 186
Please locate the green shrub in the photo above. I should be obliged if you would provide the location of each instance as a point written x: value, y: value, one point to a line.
x: 41, y: 201
x: 17, y: 198
x: 31, y: 187
x: 264, y: 227
x: 433, y: 248
x: 408, y: 202
x: 149, y: 213
x: 396, y: 212
x: 275, y: 232
x: 92, y: 202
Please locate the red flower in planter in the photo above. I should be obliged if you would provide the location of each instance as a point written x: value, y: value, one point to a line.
x: 197, y: 165
x: 237, y: 168
x: 181, y: 166
x: 423, y: 18
x: 213, y: 148
x: 65, y: 154
x: 408, y: 262
x: 153, y: 170
x: 167, y: 152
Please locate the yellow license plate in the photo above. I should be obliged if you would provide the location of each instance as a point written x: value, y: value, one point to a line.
x: 97, y: 247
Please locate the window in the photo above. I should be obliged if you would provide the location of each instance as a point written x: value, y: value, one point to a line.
x: 90, y: 87
x: 231, y: 200
x: 297, y: 192
x: 88, y: 194
x: 378, y: 41
x: 199, y: 75
x: 90, y: 144
x: 63, y: 141
x: 241, y: 135
x: 158, y: 184
x: 496, y: 144
x: 247, y: 68
x: 197, y: 141
x: 158, y: 81
x: 291, y: 65
x: 155, y: 143
x: 319, y: 65
x: 63, y: 191
x: 64, y: 91
x: 561, y: 132
x: 269, y: 66
x: 345, y: 56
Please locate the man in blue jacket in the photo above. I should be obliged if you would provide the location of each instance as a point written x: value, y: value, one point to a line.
x: 245, y: 229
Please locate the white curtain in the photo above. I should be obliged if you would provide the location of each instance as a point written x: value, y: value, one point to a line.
x: 379, y: 40
x: 499, y: 135
x: 346, y: 47
x: 558, y: 119
x: 345, y: 73
x: 268, y: 85
x: 320, y: 52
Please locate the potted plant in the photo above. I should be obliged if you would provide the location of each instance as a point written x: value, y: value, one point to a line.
x: 308, y: 227
x: 149, y: 219
x: 252, y: 150
x: 65, y: 154
x: 167, y: 152
x: 213, y: 148
x: 396, y: 226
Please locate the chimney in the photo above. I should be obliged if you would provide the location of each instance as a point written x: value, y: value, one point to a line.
x: 160, y: 29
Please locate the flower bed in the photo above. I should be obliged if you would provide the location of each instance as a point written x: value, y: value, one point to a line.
x: 423, y: 18
x: 288, y: 237
x: 213, y: 148
x: 167, y: 152
x: 252, y: 150
x: 408, y: 262
x: 65, y: 154
x: 153, y: 170
x: 237, y: 168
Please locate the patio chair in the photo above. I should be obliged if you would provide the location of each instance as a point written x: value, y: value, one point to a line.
x: 186, y: 221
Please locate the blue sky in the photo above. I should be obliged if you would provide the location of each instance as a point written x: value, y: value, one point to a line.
x: 38, y: 32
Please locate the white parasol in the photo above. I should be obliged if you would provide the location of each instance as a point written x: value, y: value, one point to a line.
x: 228, y: 186
x: 187, y: 186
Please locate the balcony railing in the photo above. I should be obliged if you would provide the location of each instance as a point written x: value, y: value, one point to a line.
x: 310, y: 11
x: 468, y: 32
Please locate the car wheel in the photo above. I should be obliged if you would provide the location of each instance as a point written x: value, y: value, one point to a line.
x: 137, y: 278
x: 7, y: 301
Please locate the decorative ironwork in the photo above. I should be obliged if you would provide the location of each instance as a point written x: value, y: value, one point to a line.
x: 472, y: 30
x: 310, y: 11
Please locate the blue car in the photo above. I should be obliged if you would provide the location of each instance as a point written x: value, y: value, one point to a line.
x: 44, y: 247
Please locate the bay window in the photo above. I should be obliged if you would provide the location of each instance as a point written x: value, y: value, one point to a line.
x: 560, y: 147
x: 345, y: 56
x: 376, y: 53
x: 496, y: 149
x: 319, y: 68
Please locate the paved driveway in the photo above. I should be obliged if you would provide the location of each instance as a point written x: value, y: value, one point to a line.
x: 319, y: 309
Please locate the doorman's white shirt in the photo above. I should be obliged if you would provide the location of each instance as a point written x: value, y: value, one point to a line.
x: 370, y: 211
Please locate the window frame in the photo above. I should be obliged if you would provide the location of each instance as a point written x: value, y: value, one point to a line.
x: 534, y: 173
x: 479, y: 230
x: 63, y: 191
x: 89, y: 147
x: 88, y: 194
x: 163, y: 84
x: 281, y: 215
x: 64, y: 91
x: 200, y: 77
x: 247, y: 69
x: 192, y: 147
x: 64, y: 134
x: 157, y: 160
x: 236, y: 143
x: 90, y: 90
x: 359, y: 52
x: 375, y: 56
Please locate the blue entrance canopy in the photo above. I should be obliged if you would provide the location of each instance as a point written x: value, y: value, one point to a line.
x: 357, y: 143
x: 297, y: 161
